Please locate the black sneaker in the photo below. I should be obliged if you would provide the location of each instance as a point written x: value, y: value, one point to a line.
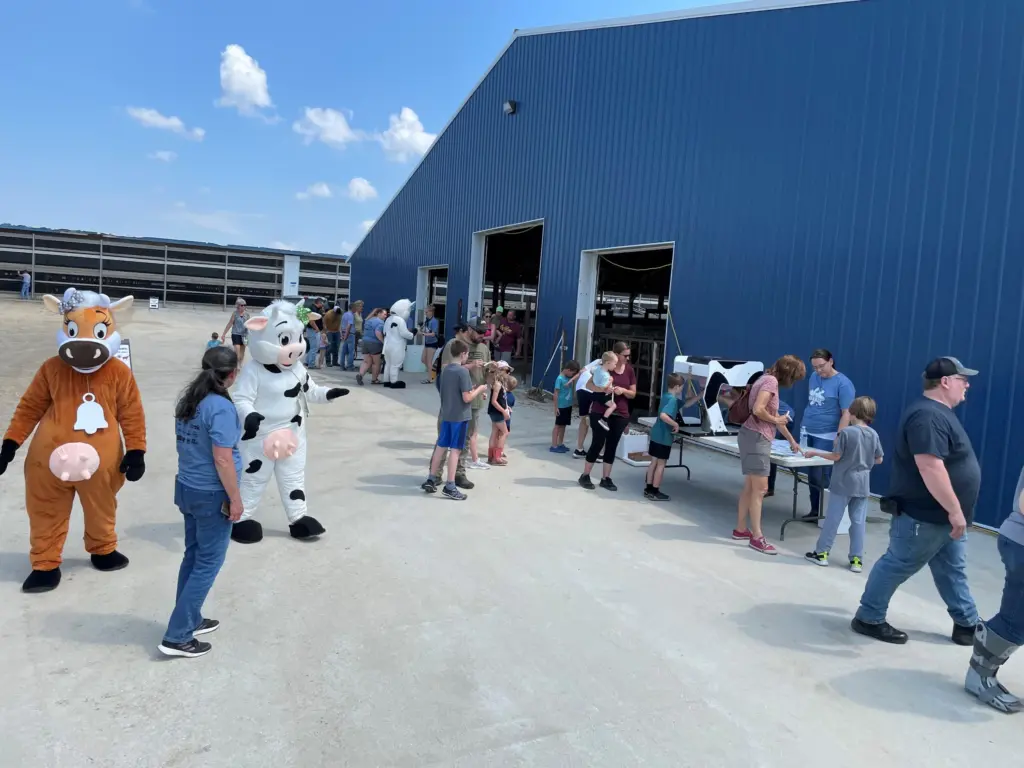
x: 818, y: 558
x: 359, y: 379
x: 578, y: 454
x: 190, y: 650
x: 206, y: 626
x: 463, y: 482
x: 963, y: 635
x: 811, y: 517
x: 586, y: 482
x: 607, y: 484
x: 885, y: 631
x: 450, y: 492
x: 657, y: 495
x: 602, y: 424
x: 429, y: 486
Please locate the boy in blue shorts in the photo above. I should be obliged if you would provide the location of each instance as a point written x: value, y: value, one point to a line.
x: 457, y: 394
x: 563, y: 405
x: 662, y: 432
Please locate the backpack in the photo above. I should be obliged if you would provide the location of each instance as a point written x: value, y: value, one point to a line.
x: 739, y: 411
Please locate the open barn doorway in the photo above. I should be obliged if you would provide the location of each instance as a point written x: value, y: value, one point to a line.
x: 505, y: 275
x: 623, y: 296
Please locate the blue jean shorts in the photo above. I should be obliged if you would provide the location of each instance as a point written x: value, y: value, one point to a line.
x: 453, y: 435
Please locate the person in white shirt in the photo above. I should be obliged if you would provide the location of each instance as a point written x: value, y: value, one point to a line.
x: 584, y: 398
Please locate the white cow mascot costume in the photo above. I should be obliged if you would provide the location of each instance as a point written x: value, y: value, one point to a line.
x: 396, y: 338
x: 271, y: 394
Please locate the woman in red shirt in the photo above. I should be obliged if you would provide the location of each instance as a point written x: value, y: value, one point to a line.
x: 755, y: 444
x: 624, y: 383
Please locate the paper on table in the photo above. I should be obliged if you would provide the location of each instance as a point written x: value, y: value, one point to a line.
x: 781, y: 447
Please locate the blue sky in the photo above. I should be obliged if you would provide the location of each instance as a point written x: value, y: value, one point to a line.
x: 258, y: 122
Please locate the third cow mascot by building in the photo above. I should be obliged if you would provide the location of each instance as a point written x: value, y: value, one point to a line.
x: 396, y: 338
x: 271, y: 394
x: 80, y: 403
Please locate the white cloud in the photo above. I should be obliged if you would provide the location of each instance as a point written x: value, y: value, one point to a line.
x: 150, y: 118
x: 284, y: 246
x: 163, y: 155
x: 326, y: 125
x: 405, y: 138
x: 225, y: 222
x: 320, y: 189
x: 368, y: 224
x: 360, y: 189
x: 243, y: 83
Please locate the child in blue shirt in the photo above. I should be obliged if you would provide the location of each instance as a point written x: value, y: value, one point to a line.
x: 214, y: 340
x: 662, y: 436
x: 563, y: 405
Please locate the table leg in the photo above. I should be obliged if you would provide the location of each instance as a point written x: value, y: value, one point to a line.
x: 793, y: 519
x: 680, y: 464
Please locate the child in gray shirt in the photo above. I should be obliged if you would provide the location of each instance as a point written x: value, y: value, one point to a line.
x: 856, y: 451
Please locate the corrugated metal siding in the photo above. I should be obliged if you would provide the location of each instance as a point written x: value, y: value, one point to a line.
x: 843, y: 176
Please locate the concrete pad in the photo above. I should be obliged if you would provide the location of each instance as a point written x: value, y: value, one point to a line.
x: 534, y: 625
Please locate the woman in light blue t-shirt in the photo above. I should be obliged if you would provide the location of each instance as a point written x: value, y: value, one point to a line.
x: 829, y: 395
x: 206, y: 492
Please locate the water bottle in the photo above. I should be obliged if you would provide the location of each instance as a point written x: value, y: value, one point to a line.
x: 803, y: 437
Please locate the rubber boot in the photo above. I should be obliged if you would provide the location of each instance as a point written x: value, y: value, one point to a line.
x: 990, y: 653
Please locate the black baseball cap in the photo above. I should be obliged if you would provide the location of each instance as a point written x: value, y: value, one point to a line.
x: 946, y: 366
x: 478, y: 325
x: 461, y: 328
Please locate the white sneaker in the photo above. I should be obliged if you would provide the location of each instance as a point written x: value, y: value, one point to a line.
x: 478, y: 465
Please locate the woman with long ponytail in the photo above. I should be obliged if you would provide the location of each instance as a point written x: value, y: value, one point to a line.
x: 206, y: 492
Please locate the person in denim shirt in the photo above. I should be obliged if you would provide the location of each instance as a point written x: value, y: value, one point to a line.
x: 206, y: 492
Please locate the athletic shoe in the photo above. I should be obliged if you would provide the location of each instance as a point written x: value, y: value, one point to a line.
x: 586, y: 482
x: 461, y: 481
x: 451, y: 492
x: 190, y: 650
x: 602, y: 423
x: 655, y: 495
x: 578, y: 454
x: 818, y: 558
x: 478, y: 465
x: 559, y: 449
x: 429, y: 486
x: 856, y: 564
x: 742, y: 535
x: 885, y: 631
x: 206, y: 626
x: 607, y: 484
x: 359, y: 379
x: 761, y: 545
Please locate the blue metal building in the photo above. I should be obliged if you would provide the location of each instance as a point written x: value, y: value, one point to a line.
x: 838, y: 173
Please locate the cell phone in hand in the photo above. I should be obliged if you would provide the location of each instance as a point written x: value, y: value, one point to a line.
x: 225, y: 509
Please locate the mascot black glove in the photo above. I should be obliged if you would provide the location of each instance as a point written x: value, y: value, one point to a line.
x: 252, y: 423
x: 336, y: 392
x: 133, y: 465
x: 7, y: 451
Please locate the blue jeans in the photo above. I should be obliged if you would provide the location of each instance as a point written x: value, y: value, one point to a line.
x: 818, y: 477
x: 333, y: 342
x: 207, y: 534
x: 348, y: 352
x: 912, y: 545
x: 834, y: 517
x: 24, y: 291
x: 313, y: 339
x: 1009, y: 622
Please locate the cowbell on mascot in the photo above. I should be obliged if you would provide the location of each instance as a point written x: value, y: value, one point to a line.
x: 271, y: 394
x: 396, y: 338
x: 80, y: 403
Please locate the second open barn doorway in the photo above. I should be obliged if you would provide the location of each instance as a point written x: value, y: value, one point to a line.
x: 623, y: 296
x: 505, y: 273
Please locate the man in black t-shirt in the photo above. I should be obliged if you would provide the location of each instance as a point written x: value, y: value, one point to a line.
x: 934, y: 487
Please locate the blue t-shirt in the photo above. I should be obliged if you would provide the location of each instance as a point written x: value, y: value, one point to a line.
x: 431, y: 325
x: 348, y: 321
x: 369, y: 328
x: 214, y: 424
x: 826, y: 401
x: 212, y: 343
x: 565, y: 392
x: 661, y: 432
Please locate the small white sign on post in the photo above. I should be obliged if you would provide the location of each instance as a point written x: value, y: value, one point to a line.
x: 154, y: 302
x: 124, y: 353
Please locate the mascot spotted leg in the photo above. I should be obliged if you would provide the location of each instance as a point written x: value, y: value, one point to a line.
x: 396, y: 338
x: 271, y: 394
x: 80, y: 403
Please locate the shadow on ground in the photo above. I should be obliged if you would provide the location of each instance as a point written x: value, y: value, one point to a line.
x: 913, y: 691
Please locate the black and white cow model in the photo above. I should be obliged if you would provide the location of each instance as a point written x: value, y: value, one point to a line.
x: 271, y: 394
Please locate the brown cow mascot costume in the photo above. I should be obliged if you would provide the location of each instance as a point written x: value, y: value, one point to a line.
x: 81, y: 400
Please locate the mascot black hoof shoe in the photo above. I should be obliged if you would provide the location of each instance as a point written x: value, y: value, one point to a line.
x: 247, y: 532
x: 115, y: 561
x: 306, y: 528
x: 398, y: 385
x: 41, y: 581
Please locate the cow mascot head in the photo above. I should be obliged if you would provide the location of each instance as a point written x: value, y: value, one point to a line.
x: 276, y: 334
x: 88, y: 337
x: 396, y: 338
